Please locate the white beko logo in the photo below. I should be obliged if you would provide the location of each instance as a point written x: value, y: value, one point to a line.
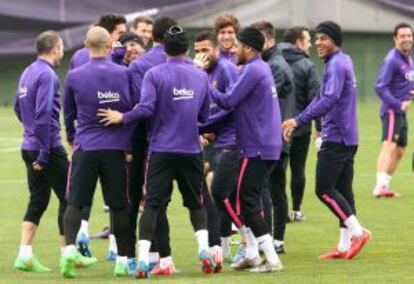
x: 108, y: 97
x: 22, y: 91
x: 410, y: 76
x: 182, y: 94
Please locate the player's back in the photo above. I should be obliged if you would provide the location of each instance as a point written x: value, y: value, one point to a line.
x: 181, y: 101
x: 99, y: 84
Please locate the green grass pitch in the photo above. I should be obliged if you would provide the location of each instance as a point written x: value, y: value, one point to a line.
x: 388, y: 258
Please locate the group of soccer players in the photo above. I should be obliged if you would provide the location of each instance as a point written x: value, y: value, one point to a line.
x: 140, y: 114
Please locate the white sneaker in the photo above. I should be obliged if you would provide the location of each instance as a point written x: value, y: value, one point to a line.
x: 267, y: 268
x: 246, y: 263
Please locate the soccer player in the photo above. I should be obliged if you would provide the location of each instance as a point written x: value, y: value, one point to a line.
x: 160, y: 256
x: 37, y: 106
x: 131, y: 48
x: 336, y: 105
x: 143, y: 26
x: 295, y: 49
x: 285, y: 87
x: 175, y: 96
x: 395, y: 86
x: 99, y: 152
x: 115, y: 24
x: 226, y: 26
x: 253, y: 98
x: 222, y: 73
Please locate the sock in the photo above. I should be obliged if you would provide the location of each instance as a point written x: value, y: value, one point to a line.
x: 165, y: 262
x: 243, y: 232
x: 143, y: 250
x: 265, y: 245
x: 383, y: 179
x: 121, y: 259
x: 202, y: 239
x: 344, y: 240
x: 154, y: 257
x: 225, y: 246
x: 278, y: 243
x: 112, y: 243
x: 84, y: 228
x: 353, y: 226
x: 234, y: 227
x: 69, y: 250
x: 26, y: 251
x: 252, y: 249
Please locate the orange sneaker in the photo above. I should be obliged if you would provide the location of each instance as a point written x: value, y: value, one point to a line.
x: 386, y: 193
x: 167, y: 271
x: 334, y: 253
x: 357, y: 243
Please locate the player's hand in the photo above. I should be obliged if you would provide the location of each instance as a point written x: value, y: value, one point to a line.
x: 412, y: 94
x: 405, y: 105
x: 116, y: 44
x: 201, y: 60
x: 316, y: 135
x: 204, y: 142
x: 288, y: 126
x: 37, y: 167
x: 210, y: 137
x: 109, y: 116
x: 128, y: 158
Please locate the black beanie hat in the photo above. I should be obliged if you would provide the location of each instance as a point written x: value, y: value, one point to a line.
x: 252, y: 37
x: 331, y: 29
x: 175, y: 41
x: 130, y: 36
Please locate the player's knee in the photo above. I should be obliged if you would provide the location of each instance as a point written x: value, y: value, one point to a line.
x: 35, y: 212
x: 321, y: 189
x: 400, y: 152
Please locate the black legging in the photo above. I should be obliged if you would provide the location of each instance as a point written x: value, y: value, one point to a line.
x: 298, y: 155
x: 334, y: 177
x: 277, y: 188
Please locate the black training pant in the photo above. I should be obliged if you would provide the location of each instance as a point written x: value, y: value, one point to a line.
x: 52, y: 176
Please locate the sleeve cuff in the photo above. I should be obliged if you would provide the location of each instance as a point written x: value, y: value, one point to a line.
x: 43, y: 158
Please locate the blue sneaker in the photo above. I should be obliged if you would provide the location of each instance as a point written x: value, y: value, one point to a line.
x: 206, y: 261
x: 132, y: 266
x: 111, y: 256
x: 151, y: 265
x: 142, y: 270
x: 82, y: 243
x: 241, y: 252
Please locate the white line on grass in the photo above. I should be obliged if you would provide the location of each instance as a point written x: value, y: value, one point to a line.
x: 10, y: 150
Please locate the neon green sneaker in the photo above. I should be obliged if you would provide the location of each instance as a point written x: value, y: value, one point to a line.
x: 69, y: 264
x: 228, y: 259
x: 30, y: 264
x: 84, y: 262
x: 121, y: 269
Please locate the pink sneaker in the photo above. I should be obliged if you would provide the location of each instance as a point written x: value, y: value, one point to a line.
x: 386, y: 193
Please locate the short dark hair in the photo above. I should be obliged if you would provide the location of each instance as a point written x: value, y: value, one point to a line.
x: 401, y: 26
x: 225, y: 20
x: 46, y: 41
x: 293, y: 34
x: 110, y: 21
x: 161, y: 26
x: 142, y: 19
x: 206, y: 35
x: 266, y: 28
